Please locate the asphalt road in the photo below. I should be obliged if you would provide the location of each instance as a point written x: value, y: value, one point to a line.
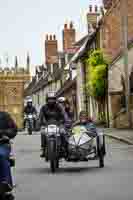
x: 74, y: 181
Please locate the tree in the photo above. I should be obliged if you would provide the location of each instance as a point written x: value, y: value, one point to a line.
x: 97, y: 71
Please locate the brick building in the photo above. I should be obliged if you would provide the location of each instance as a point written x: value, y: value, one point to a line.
x: 111, y: 32
x: 111, y: 27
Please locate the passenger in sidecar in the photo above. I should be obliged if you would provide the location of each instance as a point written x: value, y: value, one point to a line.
x: 87, y: 123
x: 85, y: 141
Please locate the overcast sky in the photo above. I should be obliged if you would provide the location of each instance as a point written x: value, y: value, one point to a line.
x: 24, y: 23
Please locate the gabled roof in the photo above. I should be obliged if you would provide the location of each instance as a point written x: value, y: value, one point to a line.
x: 81, y: 41
x: 44, y: 81
x: 82, y: 49
x: 68, y: 84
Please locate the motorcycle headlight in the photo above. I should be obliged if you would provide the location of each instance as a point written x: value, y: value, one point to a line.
x: 52, y: 129
x: 30, y: 116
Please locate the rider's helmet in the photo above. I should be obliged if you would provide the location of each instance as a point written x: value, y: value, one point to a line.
x: 61, y: 99
x: 83, y: 116
x: 29, y: 102
x: 51, y: 98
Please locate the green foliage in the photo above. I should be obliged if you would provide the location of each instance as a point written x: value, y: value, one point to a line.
x: 96, y: 74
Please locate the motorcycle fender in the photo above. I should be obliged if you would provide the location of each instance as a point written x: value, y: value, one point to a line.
x: 49, y: 154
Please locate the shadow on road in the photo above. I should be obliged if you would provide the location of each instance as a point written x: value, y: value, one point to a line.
x: 62, y: 170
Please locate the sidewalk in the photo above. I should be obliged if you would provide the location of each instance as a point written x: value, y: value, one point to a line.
x: 124, y: 135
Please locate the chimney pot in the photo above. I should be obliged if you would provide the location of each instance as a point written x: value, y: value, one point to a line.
x: 65, y: 26
x: 50, y: 37
x: 47, y: 37
x: 96, y: 8
x: 71, y: 25
x: 90, y: 8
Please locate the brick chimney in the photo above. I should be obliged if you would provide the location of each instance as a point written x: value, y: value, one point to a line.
x: 51, y: 49
x: 69, y: 36
x: 92, y: 17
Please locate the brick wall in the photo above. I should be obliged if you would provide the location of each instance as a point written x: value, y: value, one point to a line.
x: 111, y: 30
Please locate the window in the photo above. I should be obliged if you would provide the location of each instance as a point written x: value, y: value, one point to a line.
x: 131, y: 82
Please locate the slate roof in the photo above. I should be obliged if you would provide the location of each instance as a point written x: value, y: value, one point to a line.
x: 43, y: 81
x: 68, y: 84
x: 81, y: 41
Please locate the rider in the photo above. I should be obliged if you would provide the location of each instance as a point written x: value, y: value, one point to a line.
x: 87, y: 122
x: 30, y: 109
x: 51, y: 111
x: 66, y: 105
x: 8, y: 130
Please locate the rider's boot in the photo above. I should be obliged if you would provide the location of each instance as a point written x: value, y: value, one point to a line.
x: 43, y: 145
x: 42, y: 155
x: 65, y: 144
x: 7, y: 196
x: 4, y: 188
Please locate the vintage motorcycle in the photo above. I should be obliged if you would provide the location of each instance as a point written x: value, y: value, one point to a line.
x: 29, y: 123
x: 82, y: 145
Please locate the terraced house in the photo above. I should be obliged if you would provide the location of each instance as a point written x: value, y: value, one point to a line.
x: 52, y: 75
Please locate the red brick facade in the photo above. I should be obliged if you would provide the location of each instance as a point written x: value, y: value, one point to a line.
x: 112, y: 27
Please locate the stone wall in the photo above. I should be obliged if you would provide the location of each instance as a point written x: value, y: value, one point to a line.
x: 12, y: 94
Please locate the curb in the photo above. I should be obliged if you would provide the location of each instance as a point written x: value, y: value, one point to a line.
x: 120, y: 139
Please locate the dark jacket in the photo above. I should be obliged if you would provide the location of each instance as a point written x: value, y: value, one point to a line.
x: 30, y: 110
x: 7, y: 125
x: 69, y: 113
x: 55, y: 113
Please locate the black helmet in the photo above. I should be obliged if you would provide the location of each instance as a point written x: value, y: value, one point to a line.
x: 51, y: 98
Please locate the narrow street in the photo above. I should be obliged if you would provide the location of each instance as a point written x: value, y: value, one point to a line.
x: 74, y: 180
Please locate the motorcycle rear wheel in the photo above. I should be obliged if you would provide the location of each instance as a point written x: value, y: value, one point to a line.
x: 100, y: 154
x: 30, y: 132
x: 57, y: 163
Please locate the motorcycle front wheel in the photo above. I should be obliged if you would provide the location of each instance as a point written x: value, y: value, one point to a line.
x: 52, y: 156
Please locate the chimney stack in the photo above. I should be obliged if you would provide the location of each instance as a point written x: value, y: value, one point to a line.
x: 51, y: 49
x: 92, y: 17
x: 69, y: 36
